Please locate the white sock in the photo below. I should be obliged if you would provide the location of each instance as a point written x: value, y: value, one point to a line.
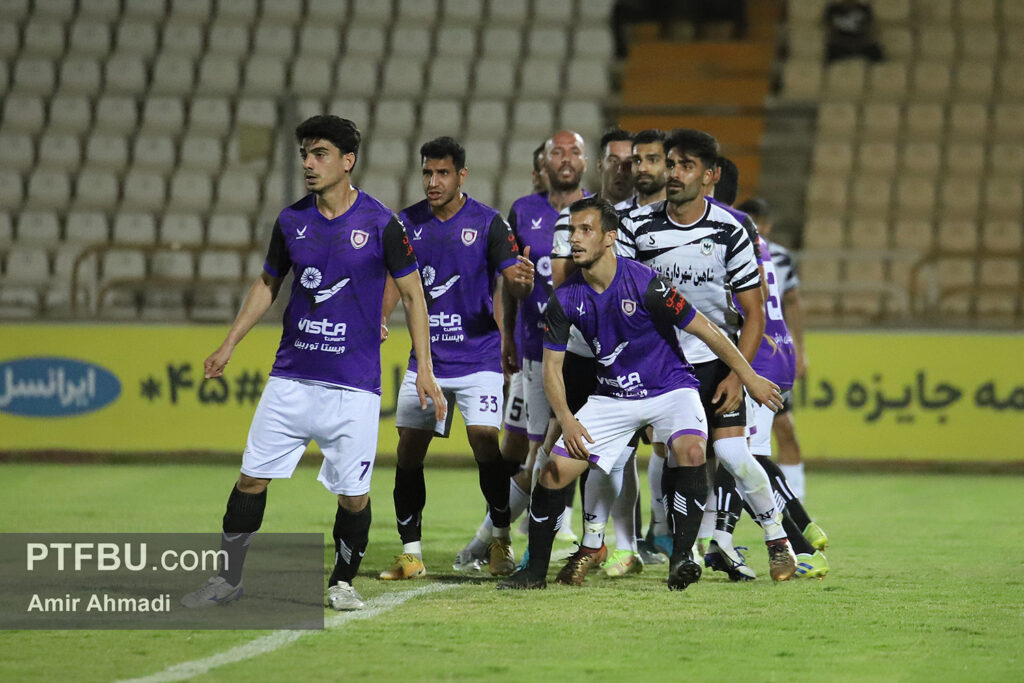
x: 707, y: 521
x: 600, y: 496
x: 795, y: 478
x: 659, y: 517
x: 624, y: 507
x: 752, y: 481
x: 538, y: 462
x: 414, y: 548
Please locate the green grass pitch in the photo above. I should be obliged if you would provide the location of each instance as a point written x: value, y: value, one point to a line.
x: 927, y: 584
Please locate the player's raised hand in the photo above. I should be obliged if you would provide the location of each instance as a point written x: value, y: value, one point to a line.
x: 576, y: 437
x: 524, y: 268
x: 427, y: 387
x: 730, y: 393
x: 765, y: 392
x: 214, y: 365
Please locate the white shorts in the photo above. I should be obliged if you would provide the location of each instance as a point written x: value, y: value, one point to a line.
x: 292, y: 413
x: 611, y: 423
x: 760, y: 420
x: 527, y: 411
x: 479, y: 397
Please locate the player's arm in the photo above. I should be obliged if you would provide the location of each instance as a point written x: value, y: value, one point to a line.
x: 390, y: 301
x: 556, y: 336
x: 509, y: 313
x: 410, y: 288
x: 793, y: 314
x: 258, y: 300
x: 730, y: 390
x: 761, y: 390
x: 503, y: 255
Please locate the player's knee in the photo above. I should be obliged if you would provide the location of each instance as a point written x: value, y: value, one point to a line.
x: 484, y: 443
x: 251, y: 485
x: 690, y: 452
x: 353, y: 503
x: 514, y: 447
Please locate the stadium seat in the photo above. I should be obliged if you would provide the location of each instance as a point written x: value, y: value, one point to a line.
x: 365, y: 41
x: 494, y: 79
x: 586, y: 78
x: 38, y: 228
x: 837, y: 120
x: 960, y: 198
x: 1007, y: 159
x: 134, y: 228
x: 172, y: 264
x: 116, y: 114
x: 172, y: 75
x: 888, y: 81
x: 218, y: 75
x: 69, y: 114
x: 265, y: 76
x: 6, y: 229
x: 229, y: 230
x: 137, y: 38
x: 201, y: 152
x: 545, y: 41
x: 880, y: 122
x: 354, y: 109
x: 877, y: 159
x: 965, y: 158
x: 143, y: 190
x: 124, y: 74
x: 60, y: 151
x: 826, y: 196
x: 357, y: 77
x: 583, y: 114
x: 86, y: 227
x: 913, y: 234
x: 844, y: 80
x: 394, y: 118
x: 48, y: 189
x: 930, y: 81
x: 483, y: 157
x: 402, y: 77
x: 209, y: 116
x: 237, y: 190
x: 96, y: 188
x: 256, y: 111
x: 387, y: 155
x: 979, y: 44
x: 182, y: 37
x: 834, y: 159
x: 456, y: 41
x: 384, y: 186
x: 532, y: 118
x: 820, y: 271
x: 17, y: 152
x: 12, y: 190
x: 220, y: 265
x: 973, y: 82
x: 27, y: 266
x: 309, y: 106
x: 485, y: 118
x: 217, y: 304
x: 802, y: 80
x: 153, y: 153
x: 440, y: 117
x: 1002, y: 235
x: 1003, y: 198
x: 163, y: 115
x: 499, y: 41
x: 924, y: 122
x: 80, y: 76
x: 99, y: 10
x: 449, y: 78
x: 870, y: 198
x: 419, y: 12
x: 464, y: 12
x: 920, y: 159
x: 410, y: 40
x: 936, y: 43
x: 412, y: 189
x: 591, y: 42
x: 285, y: 12
x: 271, y: 38
x: 977, y: 11
x: 1011, y: 80
x: 805, y: 41
x: 936, y: 12
x: 228, y: 39
x: 957, y: 235
x: 898, y: 42
x: 1011, y: 13
x: 968, y: 122
x: 319, y: 41
x: 180, y: 228
x: 1008, y: 123
x: 33, y: 75
x: 191, y: 190
x: 10, y: 39
x: 372, y: 11
x: 823, y: 233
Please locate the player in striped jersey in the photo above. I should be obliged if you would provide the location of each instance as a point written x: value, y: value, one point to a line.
x: 707, y: 254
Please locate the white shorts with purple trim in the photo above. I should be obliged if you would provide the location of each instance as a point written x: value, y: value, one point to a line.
x: 759, y: 425
x: 478, y: 396
x: 611, y: 423
x: 527, y: 410
x: 291, y: 413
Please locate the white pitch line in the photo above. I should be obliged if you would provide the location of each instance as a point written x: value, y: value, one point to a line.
x: 278, y: 639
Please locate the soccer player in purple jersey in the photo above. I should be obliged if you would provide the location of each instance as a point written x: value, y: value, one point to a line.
x: 461, y: 245
x: 629, y: 316
x: 340, y: 243
x: 709, y: 256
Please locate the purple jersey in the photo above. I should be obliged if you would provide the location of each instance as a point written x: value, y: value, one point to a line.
x: 332, y: 322
x: 458, y: 260
x: 776, y: 356
x: 533, y: 219
x: 630, y: 327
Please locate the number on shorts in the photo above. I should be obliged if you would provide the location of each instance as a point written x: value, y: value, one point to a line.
x: 489, y: 404
x: 517, y: 409
x: 366, y: 468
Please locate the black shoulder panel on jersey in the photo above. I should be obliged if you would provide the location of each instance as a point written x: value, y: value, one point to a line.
x: 556, y: 330
x: 398, y: 253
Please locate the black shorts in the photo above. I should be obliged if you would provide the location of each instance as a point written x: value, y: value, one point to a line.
x: 710, y: 375
x: 580, y: 376
x: 787, y: 402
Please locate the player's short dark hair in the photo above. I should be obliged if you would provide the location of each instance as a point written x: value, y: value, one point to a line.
x: 442, y: 147
x: 694, y: 143
x: 336, y: 130
x: 615, y: 134
x: 757, y: 208
x: 650, y: 136
x: 728, y: 185
x: 609, y: 216
x: 538, y: 156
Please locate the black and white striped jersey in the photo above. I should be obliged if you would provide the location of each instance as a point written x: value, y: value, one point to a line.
x: 785, y: 269
x: 707, y: 261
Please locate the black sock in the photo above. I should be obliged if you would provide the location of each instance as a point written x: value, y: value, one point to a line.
x: 638, y: 522
x: 494, y: 486
x: 351, y: 535
x: 410, y: 498
x: 570, y: 493
x: 687, y: 491
x: 511, y: 467
x: 729, y: 505
x: 243, y: 518
x: 795, y: 536
x: 781, y: 488
x: 546, y: 507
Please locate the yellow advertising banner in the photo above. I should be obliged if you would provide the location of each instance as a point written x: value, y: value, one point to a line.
x: 137, y: 388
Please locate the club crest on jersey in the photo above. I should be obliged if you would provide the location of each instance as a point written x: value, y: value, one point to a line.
x: 359, y: 238
x: 628, y: 306
x: 468, y: 236
x: 707, y: 245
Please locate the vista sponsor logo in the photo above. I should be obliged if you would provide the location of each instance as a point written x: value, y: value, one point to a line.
x: 55, y: 387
